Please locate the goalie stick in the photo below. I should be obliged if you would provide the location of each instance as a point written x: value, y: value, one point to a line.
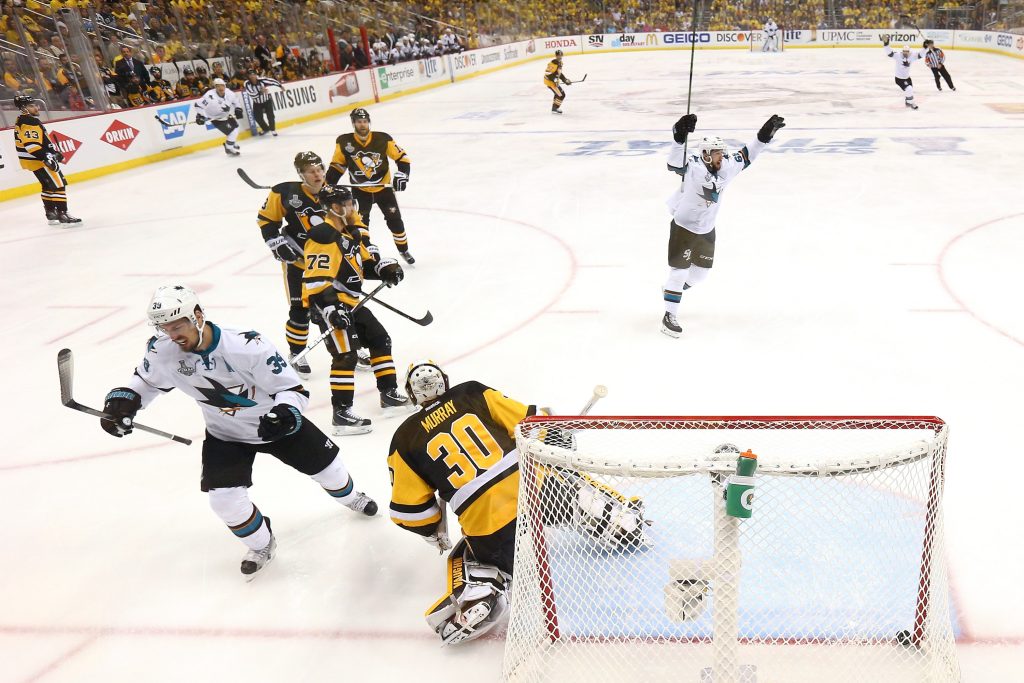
x: 330, y: 329
x: 66, y: 370
x: 251, y: 183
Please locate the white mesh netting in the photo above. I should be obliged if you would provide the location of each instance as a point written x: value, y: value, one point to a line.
x: 628, y: 568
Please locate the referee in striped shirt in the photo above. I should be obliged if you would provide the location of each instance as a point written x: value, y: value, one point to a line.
x: 262, y: 103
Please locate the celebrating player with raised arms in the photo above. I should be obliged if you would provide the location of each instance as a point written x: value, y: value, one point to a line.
x: 338, y: 257
x: 252, y: 401
x: 366, y: 156
x: 707, y: 168
x: 902, y: 61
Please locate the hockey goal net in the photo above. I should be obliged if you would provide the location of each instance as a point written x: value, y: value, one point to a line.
x: 838, y: 574
x: 761, y: 42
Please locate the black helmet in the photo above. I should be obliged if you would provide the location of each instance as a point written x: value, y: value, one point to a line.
x: 330, y: 195
x: 359, y: 114
x: 558, y: 53
x: 201, y: 69
x: 155, y: 72
x: 21, y: 101
x: 304, y: 159
x: 187, y: 71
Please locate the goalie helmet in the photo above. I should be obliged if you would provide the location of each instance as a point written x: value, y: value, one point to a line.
x: 305, y: 159
x: 710, y: 143
x: 173, y: 302
x: 425, y: 381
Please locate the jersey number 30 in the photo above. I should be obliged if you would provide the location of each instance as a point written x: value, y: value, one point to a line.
x: 468, y: 449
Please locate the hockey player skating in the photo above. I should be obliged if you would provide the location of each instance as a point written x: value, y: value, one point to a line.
x: 707, y: 169
x: 902, y: 61
x: 553, y: 76
x: 285, y: 220
x: 338, y: 256
x: 771, y: 36
x: 461, y: 446
x: 37, y: 153
x: 365, y: 156
x: 252, y: 401
x: 223, y: 108
x: 935, y: 58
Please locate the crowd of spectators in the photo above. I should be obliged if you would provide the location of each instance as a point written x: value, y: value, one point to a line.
x: 144, y: 51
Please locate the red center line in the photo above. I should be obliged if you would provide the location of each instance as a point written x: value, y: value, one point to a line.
x: 115, y: 309
x: 94, y: 632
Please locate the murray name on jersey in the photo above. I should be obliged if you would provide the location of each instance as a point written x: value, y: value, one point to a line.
x: 237, y: 380
x: 463, y: 446
x: 695, y: 204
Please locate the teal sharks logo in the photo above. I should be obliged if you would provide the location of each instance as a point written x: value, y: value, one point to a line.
x: 709, y: 194
x: 229, y: 399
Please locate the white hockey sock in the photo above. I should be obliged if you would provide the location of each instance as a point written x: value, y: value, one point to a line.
x: 232, y: 136
x: 696, y: 276
x: 244, y: 519
x: 674, y: 286
x: 336, y: 480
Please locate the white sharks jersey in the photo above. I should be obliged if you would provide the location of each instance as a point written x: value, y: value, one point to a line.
x: 216, y: 107
x: 235, y: 382
x: 694, y: 205
x: 903, y: 63
x: 770, y: 29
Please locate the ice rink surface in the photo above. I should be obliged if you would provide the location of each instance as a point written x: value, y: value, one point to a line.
x: 867, y: 263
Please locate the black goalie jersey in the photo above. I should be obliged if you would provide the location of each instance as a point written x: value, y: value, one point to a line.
x: 367, y: 160
x: 461, y: 445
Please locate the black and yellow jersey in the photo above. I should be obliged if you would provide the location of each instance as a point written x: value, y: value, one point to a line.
x: 134, y: 95
x: 366, y: 160
x: 287, y: 211
x: 461, y: 445
x: 336, y: 264
x: 159, y: 90
x: 553, y: 72
x: 31, y: 141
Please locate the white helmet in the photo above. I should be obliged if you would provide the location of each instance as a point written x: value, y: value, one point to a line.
x: 710, y: 143
x: 906, y: 48
x: 425, y: 381
x: 173, y: 302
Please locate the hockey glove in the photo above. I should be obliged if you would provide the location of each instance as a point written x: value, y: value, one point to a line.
x: 238, y: 113
x: 282, y: 250
x: 337, y: 317
x: 282, y: 420
x: 200, y: 119
x: 121, y: 404
x: 885, y: 41
x: 390, y: 272
x: 400, y: 181
x: 51, y: 161
x: 683, y: 127
x: 770, y: 127
x: 57, y: 153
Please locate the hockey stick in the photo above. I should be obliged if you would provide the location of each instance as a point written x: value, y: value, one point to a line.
x: 906, y: 19
x: 174, y: 125
x: 581, y: 80
x: 251, y: 183
x: 66, y: 370
x: 600, y: 391
x: 424, y: 321
x: 330, y: 329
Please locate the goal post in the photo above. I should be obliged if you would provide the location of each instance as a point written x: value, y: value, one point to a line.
x: 630, y: 564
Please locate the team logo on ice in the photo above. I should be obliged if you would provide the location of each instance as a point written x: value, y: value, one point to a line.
x: 186, y: 370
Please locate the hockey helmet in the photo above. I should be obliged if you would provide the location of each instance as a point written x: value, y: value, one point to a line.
x: 305, y: 159
x: 331, y: 195
x: 174, y: 302
x: 559, y: 54
x: 358, y: 114
x: 425, y: 381
x: 905, y: 49
x: 710, y: 143
x: 21, y: 100
x: 200, y: 69
x: 188, y: 71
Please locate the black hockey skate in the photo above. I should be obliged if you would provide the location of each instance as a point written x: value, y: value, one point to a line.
x: 52, y: 217
x: 347, y: 423
x: 911, y: 105
x: 393, y: 403
x: 301, y: 367
x: 670, y: 325
x: 362, y: 503
x: 256, y: 560
x: 408, y: 257
x: 67, y: 219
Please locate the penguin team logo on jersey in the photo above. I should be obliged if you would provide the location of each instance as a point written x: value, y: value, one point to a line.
x: 186, y: 370
x: 369, y: 162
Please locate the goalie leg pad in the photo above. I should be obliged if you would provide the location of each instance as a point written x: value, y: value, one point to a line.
x: 475, y: 602
x: 614, y: 521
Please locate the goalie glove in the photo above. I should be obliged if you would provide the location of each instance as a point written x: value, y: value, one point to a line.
x: 282, y: 249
